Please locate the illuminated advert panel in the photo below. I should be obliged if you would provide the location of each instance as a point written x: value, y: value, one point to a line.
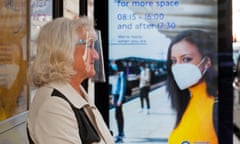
x: 176, y: 43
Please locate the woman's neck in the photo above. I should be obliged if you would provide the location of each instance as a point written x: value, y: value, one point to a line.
x: 75, y: 82
x: 200, y: 88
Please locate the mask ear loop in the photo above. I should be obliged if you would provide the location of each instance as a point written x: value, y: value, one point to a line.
x: 201, y: 61
x: 205, y: 67
x: 205, y: 70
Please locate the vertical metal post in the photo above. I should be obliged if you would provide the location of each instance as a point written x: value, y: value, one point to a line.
x: 102, y: 89
x: 57, y: 8
x: 83, y: 8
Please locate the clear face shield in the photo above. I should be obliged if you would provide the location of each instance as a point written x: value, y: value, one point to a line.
x: 98, y: 56
x: 99, y: 63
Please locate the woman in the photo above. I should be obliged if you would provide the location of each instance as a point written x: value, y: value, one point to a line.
x: 192, y: 87
x: 61, y: 111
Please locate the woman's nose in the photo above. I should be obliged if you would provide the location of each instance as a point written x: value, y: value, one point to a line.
x: 94, y: 53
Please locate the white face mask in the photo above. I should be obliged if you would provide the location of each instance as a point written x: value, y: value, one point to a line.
x: 187, y: 74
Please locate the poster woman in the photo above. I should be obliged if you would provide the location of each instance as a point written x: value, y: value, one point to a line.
x: 192, y: 87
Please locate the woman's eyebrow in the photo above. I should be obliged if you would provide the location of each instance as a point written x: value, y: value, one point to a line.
x: 187, y: 54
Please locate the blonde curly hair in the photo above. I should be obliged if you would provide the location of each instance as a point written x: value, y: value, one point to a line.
x: 55, y: 46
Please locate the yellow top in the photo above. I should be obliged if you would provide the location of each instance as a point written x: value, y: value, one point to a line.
x: 196, y: 124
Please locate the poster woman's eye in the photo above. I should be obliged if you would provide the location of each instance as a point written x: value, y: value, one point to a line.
x: 187, y: 59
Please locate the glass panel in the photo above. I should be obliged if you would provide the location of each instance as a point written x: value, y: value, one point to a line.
x: 13, y: 57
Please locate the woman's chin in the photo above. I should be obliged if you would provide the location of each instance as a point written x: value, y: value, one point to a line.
x: 91, y: 73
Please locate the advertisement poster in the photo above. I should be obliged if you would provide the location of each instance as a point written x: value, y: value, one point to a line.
x: 13, y: 58
x: 41, y: 13
x: 173, y: 46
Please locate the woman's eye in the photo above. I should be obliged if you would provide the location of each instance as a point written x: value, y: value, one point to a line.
x: 187, y: 59
x: 173, y: 62
x: 89, y: 46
